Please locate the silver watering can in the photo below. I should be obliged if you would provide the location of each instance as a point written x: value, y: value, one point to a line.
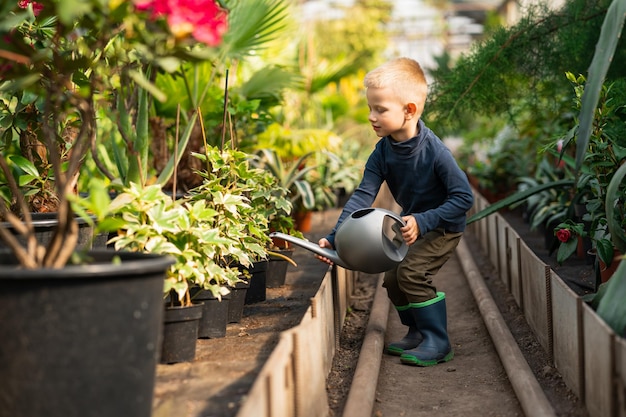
x: 368, y: 240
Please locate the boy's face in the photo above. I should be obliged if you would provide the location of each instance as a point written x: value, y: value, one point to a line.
x: 389, y: 116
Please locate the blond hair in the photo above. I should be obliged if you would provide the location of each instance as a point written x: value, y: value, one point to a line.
x: 405, y: 78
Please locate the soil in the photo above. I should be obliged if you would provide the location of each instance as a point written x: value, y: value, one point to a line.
x: 216, y: 383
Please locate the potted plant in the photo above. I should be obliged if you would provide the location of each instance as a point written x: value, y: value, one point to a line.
x: 608, y: 300
x: 248, y: 199
x: 291, y: 175
x: 60, y: 62
x: 152, y: 221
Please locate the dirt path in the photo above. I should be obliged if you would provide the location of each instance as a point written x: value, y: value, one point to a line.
x: 474, y: 383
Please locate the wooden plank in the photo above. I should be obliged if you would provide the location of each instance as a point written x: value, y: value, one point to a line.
x: 503, y: 249
x: 341, y: 295
x: 599, y: 365
x: 310, y: 378
x: 620, y: 359
x: 567, y: 325
x: 273, y: 393
x: 482, y: 226
x: 515, y: 268
x: 536, y: 296
x: 324, y: 326
x: 492, y: 228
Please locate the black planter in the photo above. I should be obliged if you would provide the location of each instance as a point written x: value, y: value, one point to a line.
x: 45, y: 225
x: 257, y: 291
x: 236, y: 301
x: 277, y: 269
x: 180, y: 333
x: 214, y: 318
x: 83, y: 340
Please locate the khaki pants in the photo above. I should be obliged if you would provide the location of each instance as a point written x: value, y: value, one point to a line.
x: 412, y: 280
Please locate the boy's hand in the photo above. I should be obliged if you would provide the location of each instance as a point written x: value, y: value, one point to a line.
x: 411, y: 231
x: 324, y: 243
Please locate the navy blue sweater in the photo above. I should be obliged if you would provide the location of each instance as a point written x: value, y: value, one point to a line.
x: 423, y: 177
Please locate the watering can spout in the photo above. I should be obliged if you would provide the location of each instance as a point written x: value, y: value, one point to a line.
x: 311, y: 246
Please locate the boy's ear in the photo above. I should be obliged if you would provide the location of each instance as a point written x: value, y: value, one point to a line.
x: 410, y: 110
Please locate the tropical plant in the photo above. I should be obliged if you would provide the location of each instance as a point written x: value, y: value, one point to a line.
x: 550, y: 205
x: 63, y: 57
x: 236, y: 192
x: 291, y: 175
x: 151, y: 221
x: 610, y: 296
x: 331, y: 174
x: 519, y: 69
x: 197, y: 103
x: 568, y: 233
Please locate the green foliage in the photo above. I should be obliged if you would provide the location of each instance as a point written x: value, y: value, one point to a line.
x: 602, y: 158
x: 333, y: 172
x: 611, y: 304
x: 567, y: 248
x: 186, y: 230
x: 606, y: 47
x: 290, y: 175
x: 522, y: 62
x: 370, y: 16
x: 246, y: 198
x: 594, y: 144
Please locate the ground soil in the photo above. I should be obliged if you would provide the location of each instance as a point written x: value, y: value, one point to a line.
x: 216, y: 383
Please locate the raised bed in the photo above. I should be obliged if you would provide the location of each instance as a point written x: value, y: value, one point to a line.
x: 588, y: 354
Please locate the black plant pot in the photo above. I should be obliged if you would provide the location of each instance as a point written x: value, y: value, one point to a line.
x: 277, y: 269
x: 236, y: 301
x: 214, y: 318
x: 257, y: 291
x: 180, y: 333
x: 45, y: 225
x: 82, y: 340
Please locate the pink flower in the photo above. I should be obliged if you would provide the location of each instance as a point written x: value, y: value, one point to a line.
x: 203, y: 19
x: 37, y: 7
x: 563, y: 235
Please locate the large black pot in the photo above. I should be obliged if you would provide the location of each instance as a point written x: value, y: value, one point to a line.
x: 45, y: 225
x: 83, y: 340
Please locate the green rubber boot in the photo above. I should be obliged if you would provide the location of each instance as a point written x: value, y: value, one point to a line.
x: 431, y: 320
x: 413, y: 337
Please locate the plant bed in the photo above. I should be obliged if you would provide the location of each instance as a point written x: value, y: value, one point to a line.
x: 220, y: 377
x: 576, y: 272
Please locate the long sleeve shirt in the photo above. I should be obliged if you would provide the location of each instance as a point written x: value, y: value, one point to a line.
x: 423, y: 177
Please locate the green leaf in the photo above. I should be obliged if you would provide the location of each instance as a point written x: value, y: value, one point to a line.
x: 145, y: 83
x: 612, y: 195
x: 518, y: 197
x: 24, y: 180
x: 605, y: 49
x: 70, y: 10
x: 611, y: 306
x: 566, y: 250
x: 25, y: 165
x: 605, y: 250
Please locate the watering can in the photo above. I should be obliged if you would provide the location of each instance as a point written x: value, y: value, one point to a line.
x: 368, y: 240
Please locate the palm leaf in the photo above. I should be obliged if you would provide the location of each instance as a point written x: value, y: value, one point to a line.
x: 268, y: 83
x: 253, y: 24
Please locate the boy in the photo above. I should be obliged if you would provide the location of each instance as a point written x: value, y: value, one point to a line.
x: 434, y: 195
